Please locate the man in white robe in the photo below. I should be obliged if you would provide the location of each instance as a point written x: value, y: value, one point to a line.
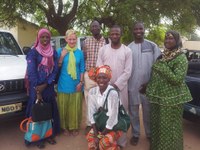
x: 119, y: 58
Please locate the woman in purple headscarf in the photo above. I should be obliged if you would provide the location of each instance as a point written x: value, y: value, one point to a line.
x: 42, y: 67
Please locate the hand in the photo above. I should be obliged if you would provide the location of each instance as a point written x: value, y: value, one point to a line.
x: 96, y: 141
x: 64, y: 52
x: 105, y: 131
x: 41, y: 87
x: 143, y: 88
x: 79, y: 87
x: 159, y: 57
x: 115, y: 86
x: 39, y: 97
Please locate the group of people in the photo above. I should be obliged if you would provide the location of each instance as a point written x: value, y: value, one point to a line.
x: 140, y: 74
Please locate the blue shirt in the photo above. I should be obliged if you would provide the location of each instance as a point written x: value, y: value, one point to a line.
x: 37, y: 75
x: 65, y: 83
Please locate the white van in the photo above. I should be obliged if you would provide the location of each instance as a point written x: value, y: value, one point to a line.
x: 13, y: 64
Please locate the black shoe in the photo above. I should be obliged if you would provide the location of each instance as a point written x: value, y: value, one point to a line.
x: 87, y: 129
x: 27, y: 143
x: 51, y: 141
x: 134, y: 140
x: 41, y: 145
x: 120, y: 147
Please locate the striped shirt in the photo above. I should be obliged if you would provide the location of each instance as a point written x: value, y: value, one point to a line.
x: 91, y: 48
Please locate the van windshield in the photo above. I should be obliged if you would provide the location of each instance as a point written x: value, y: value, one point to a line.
x: 8, y: 45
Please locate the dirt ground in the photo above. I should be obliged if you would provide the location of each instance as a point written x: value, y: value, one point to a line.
x: 12, y: 138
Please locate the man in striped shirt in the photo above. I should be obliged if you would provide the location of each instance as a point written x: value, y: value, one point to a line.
x: 91, y: 47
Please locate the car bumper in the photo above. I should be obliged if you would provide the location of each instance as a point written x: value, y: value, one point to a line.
x: 192, y: 109
x: 12, y: 105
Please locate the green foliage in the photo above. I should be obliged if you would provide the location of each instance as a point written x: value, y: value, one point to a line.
x: 157, y: 34
x: 11, y: 10
x: 54, y: 13
x: 125, y: 12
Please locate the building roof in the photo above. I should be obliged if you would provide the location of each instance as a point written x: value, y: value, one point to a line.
x: 28, y: 22
x: 191, y: 45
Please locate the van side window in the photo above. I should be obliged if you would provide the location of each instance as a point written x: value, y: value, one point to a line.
x: 8, y: 45
x: 62, y: 43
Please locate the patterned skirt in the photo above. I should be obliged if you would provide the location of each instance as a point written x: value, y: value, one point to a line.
x: 107, y: 142
x: 70, y: 110
x: 166, y: 127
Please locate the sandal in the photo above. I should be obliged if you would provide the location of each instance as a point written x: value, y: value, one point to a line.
x: 51, y: 141
x: 67, y: 132
x: 41, y: 145
x: 75, y: 132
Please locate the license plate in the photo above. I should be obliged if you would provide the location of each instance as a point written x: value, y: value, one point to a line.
x: 10, y: 108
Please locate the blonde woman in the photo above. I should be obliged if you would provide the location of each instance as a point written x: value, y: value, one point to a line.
x: 70, y: 84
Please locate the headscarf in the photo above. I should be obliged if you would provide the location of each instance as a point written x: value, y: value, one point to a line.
x: 94, y: 72
x: 71, y: 68
x: 45, y: 51
x: 170, y: 54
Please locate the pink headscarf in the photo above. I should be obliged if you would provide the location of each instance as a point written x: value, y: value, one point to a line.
x: 45, y: 51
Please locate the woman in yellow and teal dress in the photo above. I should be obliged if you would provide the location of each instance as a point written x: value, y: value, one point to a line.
x: 167, y: 92
x: 70, y: 84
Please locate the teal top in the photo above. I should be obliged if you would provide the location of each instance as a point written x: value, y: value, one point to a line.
x: 66, y: 84
x: 167, y: 84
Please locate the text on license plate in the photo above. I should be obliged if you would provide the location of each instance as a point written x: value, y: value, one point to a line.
x: 10, y: 108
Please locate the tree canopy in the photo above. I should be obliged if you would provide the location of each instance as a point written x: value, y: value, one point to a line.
x: 54, y: 13
x: 174, y: 14
x: 181, y: 15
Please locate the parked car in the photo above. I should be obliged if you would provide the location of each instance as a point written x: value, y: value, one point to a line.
x: 192, y: 108
x: 59, y: 41
x: 13, y: 95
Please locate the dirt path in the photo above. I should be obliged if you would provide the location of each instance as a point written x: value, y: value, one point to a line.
x: 12, y: 138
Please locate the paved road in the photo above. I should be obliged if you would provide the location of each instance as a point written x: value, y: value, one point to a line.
x: 12, y: 138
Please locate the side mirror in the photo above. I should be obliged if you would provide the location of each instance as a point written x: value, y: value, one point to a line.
x: 26, y: 49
